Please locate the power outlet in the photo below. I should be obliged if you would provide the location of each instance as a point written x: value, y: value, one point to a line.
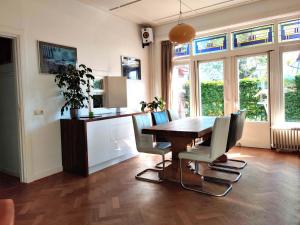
x: 38, y: 112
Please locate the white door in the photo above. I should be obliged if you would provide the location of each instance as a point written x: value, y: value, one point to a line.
x: 252, y: 94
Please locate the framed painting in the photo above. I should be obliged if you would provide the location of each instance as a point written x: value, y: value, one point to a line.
x: 53, y: 56
x: 131, y: 68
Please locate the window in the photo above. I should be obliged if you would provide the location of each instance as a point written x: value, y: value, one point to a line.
x: 253, y: 86
x: 211, y: 78
x: 180, y: 97
x: 252, y: 37
x: 181, y: 50
x: 289, y: 30
x: 291, y: 85
x: 210, y: 44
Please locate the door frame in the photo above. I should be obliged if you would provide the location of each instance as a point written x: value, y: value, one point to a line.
x: 17, y: 36
x: 225, y: 92
x: 236, y: 85
x: 285, y: 48
x: 236, y: 97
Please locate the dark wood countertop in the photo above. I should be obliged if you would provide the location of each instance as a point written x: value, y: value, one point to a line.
x: 104, y: 116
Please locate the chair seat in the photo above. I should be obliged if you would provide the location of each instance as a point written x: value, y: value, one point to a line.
x: 162, y: 145
x: 199, y: 153
x: 159, y: 148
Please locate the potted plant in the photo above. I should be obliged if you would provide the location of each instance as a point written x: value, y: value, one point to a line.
x: 157, y: 103
x: 75, y: 85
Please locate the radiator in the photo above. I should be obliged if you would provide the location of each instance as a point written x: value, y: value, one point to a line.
x: 287, y: 139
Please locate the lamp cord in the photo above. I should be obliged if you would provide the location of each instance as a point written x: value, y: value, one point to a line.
x: 180, y: 14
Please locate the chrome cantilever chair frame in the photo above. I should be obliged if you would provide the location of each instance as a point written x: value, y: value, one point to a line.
x: 217, y: 148
x: 216, y: 180
x: 140, y: 177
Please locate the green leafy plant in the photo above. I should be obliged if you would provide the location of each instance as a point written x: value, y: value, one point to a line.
x: 75, y: 84
x: 157, y: 103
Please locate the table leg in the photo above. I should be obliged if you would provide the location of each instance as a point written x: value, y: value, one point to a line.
x: 179, y: 144
x: 172, y: 172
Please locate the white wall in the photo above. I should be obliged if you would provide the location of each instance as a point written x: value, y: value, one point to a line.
x: 100, y: 39
x: 9, y: 151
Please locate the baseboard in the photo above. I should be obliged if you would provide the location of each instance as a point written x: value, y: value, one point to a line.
x: 111, y: 162
x: 45, y: 173
x: 9, y: 172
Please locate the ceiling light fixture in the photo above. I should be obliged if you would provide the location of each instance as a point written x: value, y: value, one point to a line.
x: 181, y: 33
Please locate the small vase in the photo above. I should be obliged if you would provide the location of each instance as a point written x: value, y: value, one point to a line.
x: 74, y: 113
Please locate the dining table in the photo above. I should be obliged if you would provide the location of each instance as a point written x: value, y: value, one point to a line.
x: 181, y: 133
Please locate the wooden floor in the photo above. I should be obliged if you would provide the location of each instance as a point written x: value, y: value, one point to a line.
x: 267, y: 194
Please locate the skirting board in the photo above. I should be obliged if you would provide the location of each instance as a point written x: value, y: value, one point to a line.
x: 9, y: 172
x: 106, y: 164
x: 45, y: 173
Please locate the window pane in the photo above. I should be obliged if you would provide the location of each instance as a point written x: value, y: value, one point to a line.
x: 291, y: 85
x: 210, y: 44
x: 253, y: 36
x: 253, y: 86
x: 289, y: 30
x: 181, y: 50
x: 181, y: 90
x: 211, y: 77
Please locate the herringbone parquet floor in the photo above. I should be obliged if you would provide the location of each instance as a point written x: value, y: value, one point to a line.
x: 267, y: 194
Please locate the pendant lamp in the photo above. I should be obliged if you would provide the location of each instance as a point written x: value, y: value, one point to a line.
x: 181, y: 33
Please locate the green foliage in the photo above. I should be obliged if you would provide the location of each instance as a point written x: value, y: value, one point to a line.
x: 213, y: 103
x: 212, y: 98
x: 157, y: 103
x: 297, y: 81
x: 72, y: 81
x: 292, y: 101
x: 186, y: 97
x: 249, y: 99
x: 292, y: 106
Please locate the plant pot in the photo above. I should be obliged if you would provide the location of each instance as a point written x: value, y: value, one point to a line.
x: 74, y: 113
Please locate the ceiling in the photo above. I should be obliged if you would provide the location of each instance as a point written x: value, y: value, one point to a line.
x: 157, y: 12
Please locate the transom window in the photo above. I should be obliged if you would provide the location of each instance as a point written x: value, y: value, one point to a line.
x: 210, y: 44
x: 252, y: 37
x: 181, y: 50
x: 289, y: 30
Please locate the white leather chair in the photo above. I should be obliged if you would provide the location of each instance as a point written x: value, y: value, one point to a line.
x: 208, y: 154
x: 238, y: 135
x: 145, y: 144
x: 173, y: 115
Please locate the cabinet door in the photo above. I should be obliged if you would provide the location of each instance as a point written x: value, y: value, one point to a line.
x: 122, y: 136
x: 98, y: 142
x: 109, y: 139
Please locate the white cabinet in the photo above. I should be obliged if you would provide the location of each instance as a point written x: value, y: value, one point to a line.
x: 109, y: 141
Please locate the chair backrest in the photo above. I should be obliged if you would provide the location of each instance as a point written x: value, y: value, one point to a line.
x: 241, y: 122
x: 160, y: 117
x: 140, y: 122
x: 232, y: 134
x: 219, y: 136
x: 173, y: 115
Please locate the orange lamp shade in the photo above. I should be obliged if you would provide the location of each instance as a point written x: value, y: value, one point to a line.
x: 182, y: 33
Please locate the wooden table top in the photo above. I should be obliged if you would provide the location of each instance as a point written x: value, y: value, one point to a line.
x: 192, y: 127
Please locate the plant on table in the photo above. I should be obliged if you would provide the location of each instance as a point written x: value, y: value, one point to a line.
x: 157, y: 103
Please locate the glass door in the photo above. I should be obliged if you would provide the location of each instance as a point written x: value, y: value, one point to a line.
x: 253, y: 96
x: 211, y: 88
x: 291, y: 85
x: 180, y: 94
